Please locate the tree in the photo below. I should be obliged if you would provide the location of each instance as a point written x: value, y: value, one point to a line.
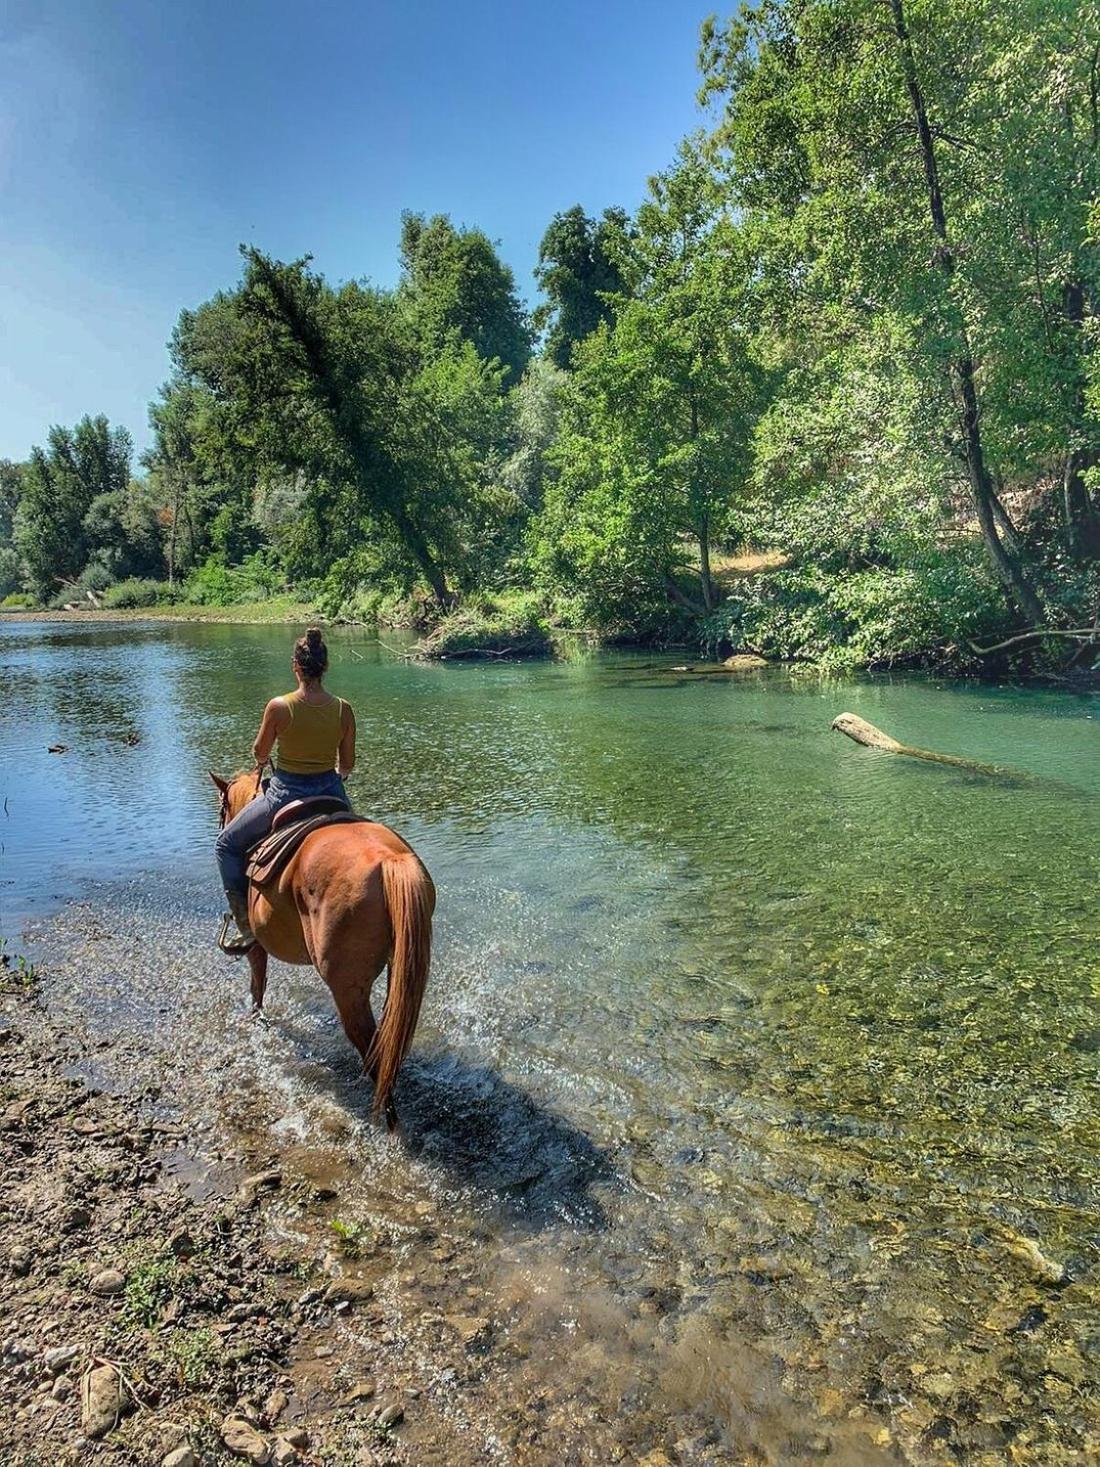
x: 579, y: 275
x: 337, y: 386
x: 454, y: 284
x: 59, y: 485
x: 656, y: 445
x: 887, y: 156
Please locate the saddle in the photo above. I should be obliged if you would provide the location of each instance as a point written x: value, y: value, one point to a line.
x: 268, y: 860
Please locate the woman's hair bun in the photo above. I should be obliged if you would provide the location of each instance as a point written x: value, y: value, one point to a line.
x: 311, y: 654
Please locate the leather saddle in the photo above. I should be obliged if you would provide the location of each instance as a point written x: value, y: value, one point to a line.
x: 292, y: 824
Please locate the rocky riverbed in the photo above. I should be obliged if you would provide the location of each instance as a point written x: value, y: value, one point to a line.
x: 145, y: 1324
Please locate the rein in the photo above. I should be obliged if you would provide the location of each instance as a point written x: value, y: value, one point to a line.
x: 224, y: 817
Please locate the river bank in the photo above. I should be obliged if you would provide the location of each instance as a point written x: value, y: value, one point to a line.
x: 275, y: 612
x: 159, y: 1309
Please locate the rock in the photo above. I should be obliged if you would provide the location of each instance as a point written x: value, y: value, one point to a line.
x: 1043, y: 1269
x: 75, y: 1218
x: 940, y: 1386
x: 363, y: 1390
x: 744, y: 662
x: 275, y: 1405
x: 107, y: 1282
x: 56, y: 1360
x: 390, y: 1415
x: 19, y: 1261
x: 284, y: 1452
x: 181, y: 1243
x: 470, y: 1328
x: 102, y: 1400
x: 245, y: 1441
x: 252, y: 1186
x: 181, y: 1457
x: 297, y: 1437
x: 349, y: 1291
x: 62, y: 1389
x: 323, y: 1352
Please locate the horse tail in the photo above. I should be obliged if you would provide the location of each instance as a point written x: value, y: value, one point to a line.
x: 409, y: 898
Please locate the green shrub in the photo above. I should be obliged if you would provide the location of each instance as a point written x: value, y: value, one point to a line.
x: 216, y: 584
x: 138, y: 593
x: 923, y: 614
x: 514, y: 624
x: 16, y: 601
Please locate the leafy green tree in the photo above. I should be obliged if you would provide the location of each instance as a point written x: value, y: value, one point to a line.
x: 536, y: 403
x: 59, y: 485
x: 336, y: 387
x: 11, y: 484
x: 579, y: 274
x: 454, y: 284
x: 656, y: 447
x: 123, y: 532
x: 883, y: 154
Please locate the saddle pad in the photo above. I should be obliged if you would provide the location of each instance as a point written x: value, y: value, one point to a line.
x: 270, y: 858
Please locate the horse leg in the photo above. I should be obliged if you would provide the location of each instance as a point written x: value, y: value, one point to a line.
x: 352, y: 998
x: 257, y: 962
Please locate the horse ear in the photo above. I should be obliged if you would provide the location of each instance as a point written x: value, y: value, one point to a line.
x: 222, y: 784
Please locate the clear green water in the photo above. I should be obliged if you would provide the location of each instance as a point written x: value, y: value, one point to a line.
x: 750, y: 1054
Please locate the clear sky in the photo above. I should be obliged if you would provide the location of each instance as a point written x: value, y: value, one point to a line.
x: 142, y: 140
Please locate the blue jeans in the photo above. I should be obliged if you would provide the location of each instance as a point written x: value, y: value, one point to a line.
x: 254, y: 822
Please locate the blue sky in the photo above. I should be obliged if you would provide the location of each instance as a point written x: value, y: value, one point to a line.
x: 141, y: 141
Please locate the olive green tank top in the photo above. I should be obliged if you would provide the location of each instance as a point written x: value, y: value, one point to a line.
x: 311, y: 740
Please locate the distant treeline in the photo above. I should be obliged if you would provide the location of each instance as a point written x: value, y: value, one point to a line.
x: 854, y: 323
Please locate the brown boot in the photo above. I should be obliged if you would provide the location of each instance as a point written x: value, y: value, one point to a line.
x: 236, y: 944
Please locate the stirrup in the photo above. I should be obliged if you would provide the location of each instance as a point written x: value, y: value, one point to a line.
x: 237, y: 945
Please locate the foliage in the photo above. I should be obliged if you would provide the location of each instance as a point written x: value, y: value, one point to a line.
x: 655, y: 444
x: 134, y: 593
x: 578, y: 272
x: 513, y: 625
x: 454, y: 286
x: 215, y: 584
x: 59, y: 486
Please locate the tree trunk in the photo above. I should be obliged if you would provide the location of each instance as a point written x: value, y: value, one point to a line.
x: 1006, y: 563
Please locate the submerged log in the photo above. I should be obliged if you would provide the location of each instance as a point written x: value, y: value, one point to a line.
x: 873, y: 738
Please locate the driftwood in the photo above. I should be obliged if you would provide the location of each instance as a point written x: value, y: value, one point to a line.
x: 873, y: 738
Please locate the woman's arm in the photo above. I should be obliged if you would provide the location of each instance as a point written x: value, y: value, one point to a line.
x: 345, y: 762
x: 275, y: 719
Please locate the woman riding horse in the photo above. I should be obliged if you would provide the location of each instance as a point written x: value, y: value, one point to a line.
x: 315, y: 736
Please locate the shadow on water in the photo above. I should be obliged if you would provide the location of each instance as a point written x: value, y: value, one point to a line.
x: 477, y: 1130
x: 487, y: 1133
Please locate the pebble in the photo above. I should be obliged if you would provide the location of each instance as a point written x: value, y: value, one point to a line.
x: 363, y: 1390
x: 19, y: 1261
x: 56, y: 1359
x: 107, y: 1282
x: 181, y: 1457
x: 297, y: 1437
x: 62, y: 1388
x: 390, y: 1415
x: 349, y: 1291
x: 322, y: 1352
x: 245, y: 1441
x: 275, y: 1405
x: 252, y: 1186
x: 181, y: 1243
x: 284, y: 1452
x: 103, y: 1401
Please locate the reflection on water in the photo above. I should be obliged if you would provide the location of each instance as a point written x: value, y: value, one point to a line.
x: 749, y: 1053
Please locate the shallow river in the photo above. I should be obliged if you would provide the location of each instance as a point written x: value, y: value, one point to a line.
x: 758, y: 1084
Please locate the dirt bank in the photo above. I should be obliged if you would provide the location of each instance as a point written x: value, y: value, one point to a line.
x: 157, y: 1310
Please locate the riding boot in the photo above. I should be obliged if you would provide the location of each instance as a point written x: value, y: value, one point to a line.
x: 234, y: 946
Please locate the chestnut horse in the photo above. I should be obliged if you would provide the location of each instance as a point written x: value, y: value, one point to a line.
x: 352, y: 899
